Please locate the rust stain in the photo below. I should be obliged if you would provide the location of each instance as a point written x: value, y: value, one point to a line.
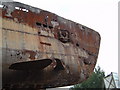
x: 45, y: 43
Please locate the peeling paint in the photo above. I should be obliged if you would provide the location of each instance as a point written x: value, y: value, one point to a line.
x: 54, y: 23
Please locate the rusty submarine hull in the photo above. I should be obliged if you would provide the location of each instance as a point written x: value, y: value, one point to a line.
x: 43, y: 50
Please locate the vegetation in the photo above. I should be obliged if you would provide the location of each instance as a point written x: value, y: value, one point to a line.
x: 94, y: 81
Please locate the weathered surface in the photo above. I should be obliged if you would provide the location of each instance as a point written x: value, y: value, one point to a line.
x: 41, y: 49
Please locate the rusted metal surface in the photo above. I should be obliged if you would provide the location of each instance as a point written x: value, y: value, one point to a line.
x: 41, y: 49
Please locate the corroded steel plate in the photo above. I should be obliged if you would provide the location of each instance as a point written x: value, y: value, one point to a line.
x: 41, y: 49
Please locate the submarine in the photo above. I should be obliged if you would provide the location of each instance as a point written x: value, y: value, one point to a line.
x: 40, y: 49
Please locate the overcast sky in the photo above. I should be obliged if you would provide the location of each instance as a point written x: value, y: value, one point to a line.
x: 100, y: 15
